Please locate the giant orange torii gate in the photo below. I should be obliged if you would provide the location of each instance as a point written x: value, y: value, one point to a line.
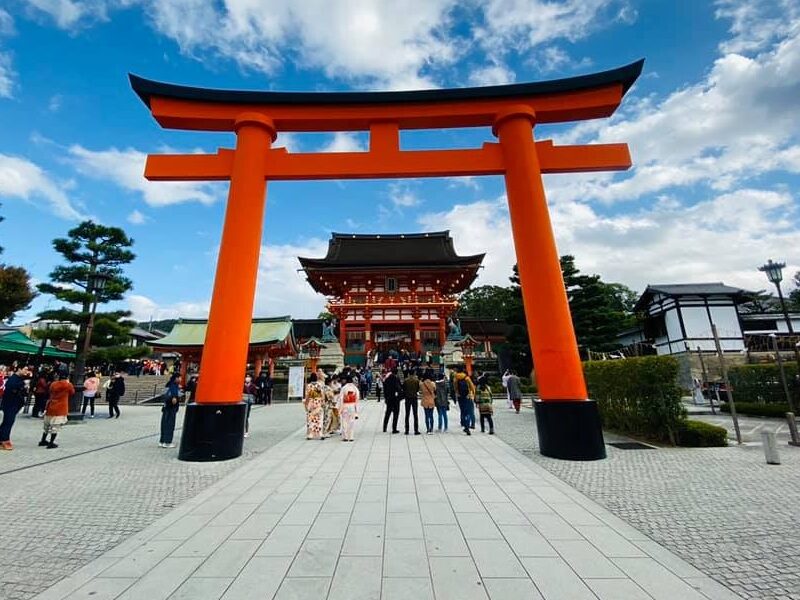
x: 567, y: 422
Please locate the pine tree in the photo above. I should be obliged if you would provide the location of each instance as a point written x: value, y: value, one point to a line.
x: 92, y: 252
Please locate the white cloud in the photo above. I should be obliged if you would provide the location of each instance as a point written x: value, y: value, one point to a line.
x: 402, y: 196
x: 723, y: 237
x: 20, y: 178
x: 343, y: 141
x: 496, y: 74
x: 370, y: 43
x: 55, y: 103
x: 125, y: 168
x: 137, y: 218
x: 756, y: 23
x: 8, y: 76
x: 281, y: 289
x: 739, y: 122
x: 143, y: 309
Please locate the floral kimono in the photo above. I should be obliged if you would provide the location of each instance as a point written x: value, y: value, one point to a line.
x: 331, y: 418
x: 348, y: 409
x: 315, y: 396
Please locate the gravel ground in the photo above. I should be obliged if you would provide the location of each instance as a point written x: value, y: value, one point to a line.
x: 721, y: 509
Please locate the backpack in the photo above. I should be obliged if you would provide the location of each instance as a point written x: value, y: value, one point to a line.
x: 463, y: 388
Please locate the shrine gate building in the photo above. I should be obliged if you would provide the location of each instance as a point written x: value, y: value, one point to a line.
x: 391, y: 291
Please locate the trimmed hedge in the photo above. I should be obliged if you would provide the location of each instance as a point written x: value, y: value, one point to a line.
x: 638, y: 396
x: 697, y: 434
x: 756, y: 409
x: 762, y: 383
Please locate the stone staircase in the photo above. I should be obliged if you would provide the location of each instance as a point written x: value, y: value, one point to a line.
x: 141, y: 389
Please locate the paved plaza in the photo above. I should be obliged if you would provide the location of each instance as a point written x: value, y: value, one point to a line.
x: 442, y: 516
x: 721, y: 509
x: 108, y: 480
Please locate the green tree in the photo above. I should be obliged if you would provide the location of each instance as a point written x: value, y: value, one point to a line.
x: 16, y: 292
x: 600, y: 310
x: 92, y: 253
x: 794, y: 295
x: 486, y: 301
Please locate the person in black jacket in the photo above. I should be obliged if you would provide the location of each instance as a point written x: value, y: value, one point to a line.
x: 392, y: 389
x: 116, y: 389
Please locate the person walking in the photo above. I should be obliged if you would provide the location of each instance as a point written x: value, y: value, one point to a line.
x: 116, y: 390
x: 378, y: 387
x: 484, y: 401
x: 249, y: 392
x: 514, y: 390
x: 56, y: 410
x: 40, y: 394
x: 169, y: 411
x: 392, y: 390
x: 13, y: 399
x: 261, y: 387
x: 191, y: 388
x: 90, y: 386
x: 410, y: 393
x: 442, y: 401
x: 465, y: 392
x: 315, y: 396
x: 348, y: 408
x: 428, y: 390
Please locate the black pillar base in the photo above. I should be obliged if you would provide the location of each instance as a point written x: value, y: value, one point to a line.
x: 75, y: 405
x: 569, y: 430
x: 212, y: 432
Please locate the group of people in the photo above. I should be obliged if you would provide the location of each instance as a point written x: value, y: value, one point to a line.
x: 436, y: 390
x: 331, y: 403
x: 55, y: 405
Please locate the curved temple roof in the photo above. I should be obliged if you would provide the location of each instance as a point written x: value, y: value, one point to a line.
x: 420, y: 250
x: 192, y: 333
x: 625, y: 76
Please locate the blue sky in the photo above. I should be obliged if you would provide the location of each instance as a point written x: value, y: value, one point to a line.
x: 712, y: 124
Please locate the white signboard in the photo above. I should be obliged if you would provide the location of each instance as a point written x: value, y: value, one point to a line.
x: 296, y: 378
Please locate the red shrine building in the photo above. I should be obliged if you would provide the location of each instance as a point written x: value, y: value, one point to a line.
x: 391, y: 291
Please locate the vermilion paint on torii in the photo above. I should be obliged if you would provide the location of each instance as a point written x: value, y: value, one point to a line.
x: 511, y: 111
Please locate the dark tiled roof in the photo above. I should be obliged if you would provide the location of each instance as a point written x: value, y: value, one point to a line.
x: 677, y: 290
x: 624, y: 76
x: 421, y: 250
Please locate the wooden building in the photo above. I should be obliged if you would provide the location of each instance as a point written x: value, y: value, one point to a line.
x: 391, y: 291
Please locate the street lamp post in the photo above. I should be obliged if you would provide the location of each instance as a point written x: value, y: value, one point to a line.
x: 94, y: 285
x: 774, y: 272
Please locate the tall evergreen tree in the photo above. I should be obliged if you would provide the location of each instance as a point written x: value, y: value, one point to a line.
x: 91, y: 252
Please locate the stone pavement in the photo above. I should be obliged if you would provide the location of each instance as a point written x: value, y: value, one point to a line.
x: 60, y: 509
x: 723, y: 510
x: 389, y: 516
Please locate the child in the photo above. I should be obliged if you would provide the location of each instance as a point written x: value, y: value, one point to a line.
x: 485, y: 408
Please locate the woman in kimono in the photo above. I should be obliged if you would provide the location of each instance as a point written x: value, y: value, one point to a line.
x: 348, y: 408
x: 315, y: 396
x: 329, y: 407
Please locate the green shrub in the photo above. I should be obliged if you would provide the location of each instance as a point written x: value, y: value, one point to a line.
x: 638, y: 396
x: 754, y: 409
x: 697, y: 434
x: 762, y: 383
